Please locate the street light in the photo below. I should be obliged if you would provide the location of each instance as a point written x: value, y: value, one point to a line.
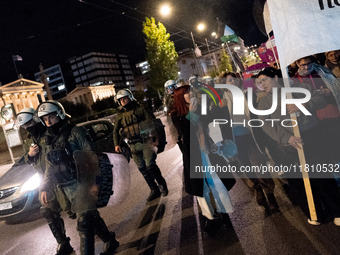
x: 165, y: 10
x: 200, y: 26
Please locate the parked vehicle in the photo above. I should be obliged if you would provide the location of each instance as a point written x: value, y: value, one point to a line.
x: 19, y: 186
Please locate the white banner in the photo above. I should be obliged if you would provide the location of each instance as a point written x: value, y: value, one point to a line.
x: 304, y: 27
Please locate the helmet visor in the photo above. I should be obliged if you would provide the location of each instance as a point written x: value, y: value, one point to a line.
x: 19, y: 123
x: 170, y: 89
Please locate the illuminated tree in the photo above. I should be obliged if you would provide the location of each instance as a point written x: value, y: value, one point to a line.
x: 161, y: 54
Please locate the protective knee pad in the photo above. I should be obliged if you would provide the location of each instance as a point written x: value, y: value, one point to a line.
x: 86, y: 222
x: 49, y: 215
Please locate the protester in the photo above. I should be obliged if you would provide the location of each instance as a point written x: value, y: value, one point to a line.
x: 128, y: 125
x: 170, y: 87
x: 210, y: 189
x: 322, y: 79
x: 333, y: 62
x: 62, y: 140
x: 179, y: 112
x: 35, y: 154
x: 250, y: 151
x: 315, y: 147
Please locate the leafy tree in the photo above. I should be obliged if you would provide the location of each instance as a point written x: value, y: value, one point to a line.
x: 225, y: 64
x: 140, y: 95
x: 75, y: 110
x: 104, y: 104
x: 161, y: 54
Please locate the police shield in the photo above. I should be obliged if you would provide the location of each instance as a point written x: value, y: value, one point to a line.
x: 121, y: 177
x: 97, y: 175
x: 88, y: 181
x: 171, y: 130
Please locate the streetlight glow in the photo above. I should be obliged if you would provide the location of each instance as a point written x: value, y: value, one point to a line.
x: 200, y: 26
x: 165, y: 10
x: 213, y: 34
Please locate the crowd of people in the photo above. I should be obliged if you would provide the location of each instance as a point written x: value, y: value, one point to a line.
x: 53, y: 139
x: 257, y: 145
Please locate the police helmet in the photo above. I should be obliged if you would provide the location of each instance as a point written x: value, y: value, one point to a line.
x: 124, y: 93
x: 169, y: 86
x: 51, y: 106
x: 180, y: 83
x: 208, y: 80
x: 24, y: 116
x: 193, y: 80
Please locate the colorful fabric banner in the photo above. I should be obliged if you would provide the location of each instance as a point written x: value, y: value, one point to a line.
x: 304, y: 27
x: 229, y: 35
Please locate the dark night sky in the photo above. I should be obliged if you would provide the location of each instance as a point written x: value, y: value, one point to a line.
x: 50, y: 31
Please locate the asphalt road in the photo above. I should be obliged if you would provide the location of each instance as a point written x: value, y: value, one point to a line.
x: 173, y: 225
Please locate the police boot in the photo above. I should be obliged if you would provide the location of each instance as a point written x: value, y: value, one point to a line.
x: 259, y: 195
x: 156, y: 172
x: 109, y: 238
x: 85, y: 228
x: 64, y: 248
x: 56, y: 224
x: 273, y: 206
x: 155, y: 193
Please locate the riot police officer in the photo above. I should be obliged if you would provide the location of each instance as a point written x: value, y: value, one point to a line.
x: 169, y: 88
x: 127, y: 124
x: 35, y: 149
x: 62, y: 140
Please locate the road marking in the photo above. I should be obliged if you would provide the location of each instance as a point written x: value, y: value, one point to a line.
x: 199, y: 233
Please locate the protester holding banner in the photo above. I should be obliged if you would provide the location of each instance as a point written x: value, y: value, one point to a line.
x: 315, y: 145
x: 322, y: 79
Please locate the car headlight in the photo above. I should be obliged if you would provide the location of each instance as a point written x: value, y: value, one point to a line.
x: 31, y: 184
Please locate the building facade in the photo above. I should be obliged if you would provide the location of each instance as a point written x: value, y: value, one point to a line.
x: 55, y: 79
x: 97, y: 68
x: 89, y: 95
x: 22, y: 93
